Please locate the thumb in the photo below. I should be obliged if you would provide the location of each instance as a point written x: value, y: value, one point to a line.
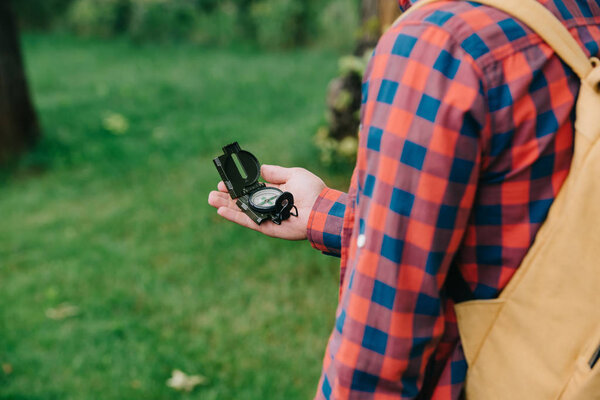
x: 275, y: 174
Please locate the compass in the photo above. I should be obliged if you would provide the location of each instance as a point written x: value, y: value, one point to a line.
x: 240, y: 172
x: 264, y: 200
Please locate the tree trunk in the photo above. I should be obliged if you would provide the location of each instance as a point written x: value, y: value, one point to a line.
x: 19, y: 129
x: 388, y: 12
x: 375, y: 16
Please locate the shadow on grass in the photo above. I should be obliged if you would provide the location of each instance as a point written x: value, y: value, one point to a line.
x: 48, y: 152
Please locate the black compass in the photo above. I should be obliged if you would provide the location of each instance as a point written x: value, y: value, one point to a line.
x: 240, y: 172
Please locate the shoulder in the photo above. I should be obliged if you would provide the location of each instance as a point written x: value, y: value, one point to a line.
x: 467, y: 29
x: 488, y: 35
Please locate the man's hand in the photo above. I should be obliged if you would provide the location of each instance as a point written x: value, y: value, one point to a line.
x: 304, y: 185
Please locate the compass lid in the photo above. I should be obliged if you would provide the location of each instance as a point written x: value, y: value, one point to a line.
x: 239, y: 169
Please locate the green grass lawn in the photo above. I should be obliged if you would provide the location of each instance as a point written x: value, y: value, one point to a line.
x: 117, y: 225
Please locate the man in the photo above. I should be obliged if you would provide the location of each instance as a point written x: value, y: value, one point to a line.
x: 466, y: 139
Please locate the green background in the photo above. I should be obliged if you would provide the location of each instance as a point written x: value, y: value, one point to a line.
x: 116, y: 222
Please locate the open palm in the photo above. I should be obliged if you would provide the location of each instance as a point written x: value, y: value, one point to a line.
x: 303, y: 184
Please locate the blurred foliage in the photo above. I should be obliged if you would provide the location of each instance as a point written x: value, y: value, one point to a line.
x: 338, y: 24
x: 160, y: 20
x: 337, y: 139
x: 279, y: 23
x: 101, y: 18
x: 269, y: 23
x: 40, y: 14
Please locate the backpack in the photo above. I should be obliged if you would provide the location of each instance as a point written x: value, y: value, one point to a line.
x: 540, y: 339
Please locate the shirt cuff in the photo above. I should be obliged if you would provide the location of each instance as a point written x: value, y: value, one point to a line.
x: 324, y: 230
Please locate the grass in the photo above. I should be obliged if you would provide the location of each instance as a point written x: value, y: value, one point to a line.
x: 117, y: 225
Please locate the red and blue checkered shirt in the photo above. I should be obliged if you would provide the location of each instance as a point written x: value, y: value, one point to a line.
x: 466, y: 138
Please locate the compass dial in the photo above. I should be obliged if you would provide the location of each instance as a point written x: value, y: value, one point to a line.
x: 264, y: 200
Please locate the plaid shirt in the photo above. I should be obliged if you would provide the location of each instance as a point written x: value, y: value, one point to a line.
x: 466, y: 139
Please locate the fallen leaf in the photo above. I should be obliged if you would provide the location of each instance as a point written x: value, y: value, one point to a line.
x: 183, y: 382
x: 64, y: 310
x: 7, y: 368
x: 115, y: 123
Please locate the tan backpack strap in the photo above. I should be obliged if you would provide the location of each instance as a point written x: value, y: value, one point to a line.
x: 544, y: 23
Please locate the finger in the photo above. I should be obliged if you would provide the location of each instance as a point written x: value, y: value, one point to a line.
x: 275, y: 174
x: 238, y: 217
x: 221, y: 186
x: 218, y: 199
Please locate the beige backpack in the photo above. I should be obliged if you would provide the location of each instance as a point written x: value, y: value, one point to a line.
x: 540, y: 340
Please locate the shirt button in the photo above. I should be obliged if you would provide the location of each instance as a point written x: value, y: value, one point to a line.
x: 360, y: 242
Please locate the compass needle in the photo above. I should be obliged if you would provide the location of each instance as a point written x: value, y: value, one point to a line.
x: 269, y: 200
x: 263, y: 199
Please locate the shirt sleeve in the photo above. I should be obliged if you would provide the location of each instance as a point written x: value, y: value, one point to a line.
x: 325, y: 223
x: 424, y: 115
